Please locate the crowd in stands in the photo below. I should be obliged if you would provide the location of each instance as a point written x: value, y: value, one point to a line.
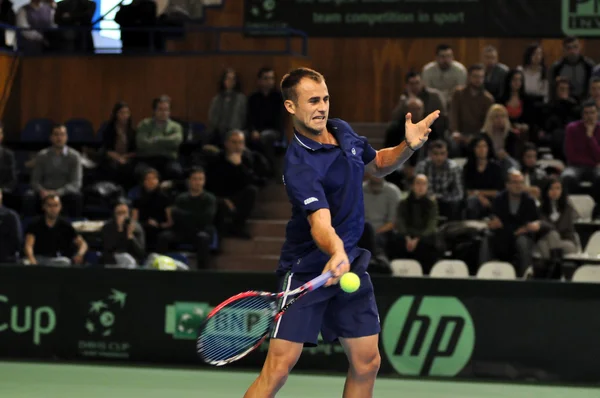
x: 482, y: 164
x: 158, y: 192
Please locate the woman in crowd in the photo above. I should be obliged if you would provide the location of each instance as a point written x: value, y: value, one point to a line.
x: 518, y: 105
x: 118, y: 144
x: 535, y: 73
x: 227, y: 110
x: 501, y: 139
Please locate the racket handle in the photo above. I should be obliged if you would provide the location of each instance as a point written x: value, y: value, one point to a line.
x: 319, y: 281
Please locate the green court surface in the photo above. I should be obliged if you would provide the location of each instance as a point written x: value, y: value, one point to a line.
x: 26, y: 380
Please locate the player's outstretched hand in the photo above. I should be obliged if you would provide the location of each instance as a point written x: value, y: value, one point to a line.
x: 417, y: 134
x: 338, y: 264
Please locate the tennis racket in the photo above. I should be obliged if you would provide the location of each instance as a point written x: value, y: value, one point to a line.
x: 240, y: 324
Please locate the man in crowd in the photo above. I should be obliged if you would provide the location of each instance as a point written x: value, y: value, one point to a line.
x: 8, y: 172
x: 158, y: 139
x: 52, y: 240
x: 535, y: 178
x: 444, y: 74
x: 573, y: 66
x: 57, y: 171
x: 469, y: 108
x: 150, y: 208
x: 10, y: 234
x: 495, y: 72
x: 193, y: 215
x: 444, y: 178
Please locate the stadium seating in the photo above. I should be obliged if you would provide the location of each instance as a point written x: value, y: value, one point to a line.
x: 406, y: 267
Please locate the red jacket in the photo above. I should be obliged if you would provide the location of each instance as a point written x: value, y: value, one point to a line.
x: 580, y: 149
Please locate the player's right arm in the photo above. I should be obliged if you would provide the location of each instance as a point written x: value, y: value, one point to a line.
x: 329, y: 242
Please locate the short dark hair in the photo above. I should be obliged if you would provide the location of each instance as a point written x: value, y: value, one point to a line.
x: 411, y: 74
x: 58, y: 126
x: 529, y: 146
x: 196, y: 170
x: 159, y: 100
x: 150, y: 171
x: 442, y: 47
x: 438, y: 144
x: 121, y: 201
x: 569, y: 40
x: 230, y: 133
x: 590, y: 103
x: 293, y: 78
x: 562, y: 80
x: 263, y: 70
x: 475, y: 67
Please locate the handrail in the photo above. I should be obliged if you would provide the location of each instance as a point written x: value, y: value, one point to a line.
x: 287, y: 33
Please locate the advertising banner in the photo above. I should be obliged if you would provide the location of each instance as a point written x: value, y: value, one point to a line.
x: 426, y: 18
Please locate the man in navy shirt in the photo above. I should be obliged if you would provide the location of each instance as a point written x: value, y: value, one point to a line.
x: 323, y: 171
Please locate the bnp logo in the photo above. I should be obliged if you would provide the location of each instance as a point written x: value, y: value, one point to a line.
x: 183, y: 319
x: 428, y: 336
x: 581, y: 17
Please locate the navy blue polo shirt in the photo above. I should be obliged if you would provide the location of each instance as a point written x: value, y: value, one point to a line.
x: 322, y: 176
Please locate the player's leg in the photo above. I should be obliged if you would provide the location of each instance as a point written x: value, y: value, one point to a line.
x: 281, y: 358
x: 364, y: 358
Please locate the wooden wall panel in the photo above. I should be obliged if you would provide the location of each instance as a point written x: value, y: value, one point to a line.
x: 9, y: 65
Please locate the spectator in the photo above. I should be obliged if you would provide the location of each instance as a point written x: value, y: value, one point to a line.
x: 432, y: 100
x: 265, y: 115
x: 582, y: 148
x: 381, y: 203
x: 482, y: 178
x: 575, y: 67
x: 495, y: 72
x: 519, y: 107
x: 231, y: 178
x: 514, y: 224
x: 469, y: 107
x: 8, y: 172
x: 51, y: 239
x: 158, y: 139
x: 10, y: 234
x: 445, y: 179
x: 558, y: 217
x: 416, y: 226
x: 535, y: 178
x: 57, y: 171
x: 140, y: 14
x: 502, y: 140
x: 7, y: 17
x: 444, y: 74
x: 123, y: 239
x: 150, y: 208
x: 227, y: 110
x: 561, y: 110
x: 36, y: 17
x: 193, y: 216
x: 595, y: 91
x: 118, y: 143
x: 534, y: 74
x: 77, y: 15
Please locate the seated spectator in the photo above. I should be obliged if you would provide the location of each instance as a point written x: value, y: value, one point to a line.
x: 118, y: 144
x: 381, y: 203
x: 557, y: 215
x: 518, y: 105
x: 574, y: 66
x: 470, y: 105
x: 514, y: 224
x: 483, y: 179
x: 432, y: 99
x: 416, y: 226
x: 535, y: 76
x: 140, y: 14
x: 150, y: 208
x: 193, y: 215
x: 157, y: 141
x: 231, y: 178
x: 51, y: 239
x: 265, y: 115
x: 227, y: 110
x: 560, y: 111
x: 502, y: 140
x: 444, y: 74
x: 10, y: 234
x: 57, y: 171
x: 123, y: 239
x: 495, y: 72
x: 37, y: 14
x: 8, y: 173
x: 77, y: 15
x: 582, y: 147
x: 444, y: 178
x: 535, y: 177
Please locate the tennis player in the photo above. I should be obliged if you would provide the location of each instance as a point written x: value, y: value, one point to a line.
x: 323, y: 172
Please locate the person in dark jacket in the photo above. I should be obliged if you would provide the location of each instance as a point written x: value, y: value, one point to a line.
x: 575, y: 67
x: 11, y: 234
x: 119, y: 146
x: 77, y: 15
x: 139, y: 14
x: 123, y: 239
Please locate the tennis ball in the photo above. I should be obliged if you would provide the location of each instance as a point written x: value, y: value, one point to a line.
x: 350, y: 282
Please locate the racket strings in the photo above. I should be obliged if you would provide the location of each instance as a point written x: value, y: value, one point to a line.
x: 236, y: 328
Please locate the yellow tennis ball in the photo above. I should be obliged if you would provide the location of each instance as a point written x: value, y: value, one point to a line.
x: 350, y: 282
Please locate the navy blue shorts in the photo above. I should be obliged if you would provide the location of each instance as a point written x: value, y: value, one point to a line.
x: 328, y: 310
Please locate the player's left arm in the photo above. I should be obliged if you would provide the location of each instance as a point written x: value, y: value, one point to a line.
x: 388, y: 160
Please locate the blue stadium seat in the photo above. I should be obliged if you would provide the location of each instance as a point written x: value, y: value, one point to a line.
x: 100, y: 132
x: 134, y: 193
x: 80, y: 131
x: 179, y: 257
x: 37, y: 130
x: 92, y: 257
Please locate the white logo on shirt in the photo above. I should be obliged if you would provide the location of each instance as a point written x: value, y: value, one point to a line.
x: 310, y: 200
x: 353, y: 151
x: 283, y: 179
